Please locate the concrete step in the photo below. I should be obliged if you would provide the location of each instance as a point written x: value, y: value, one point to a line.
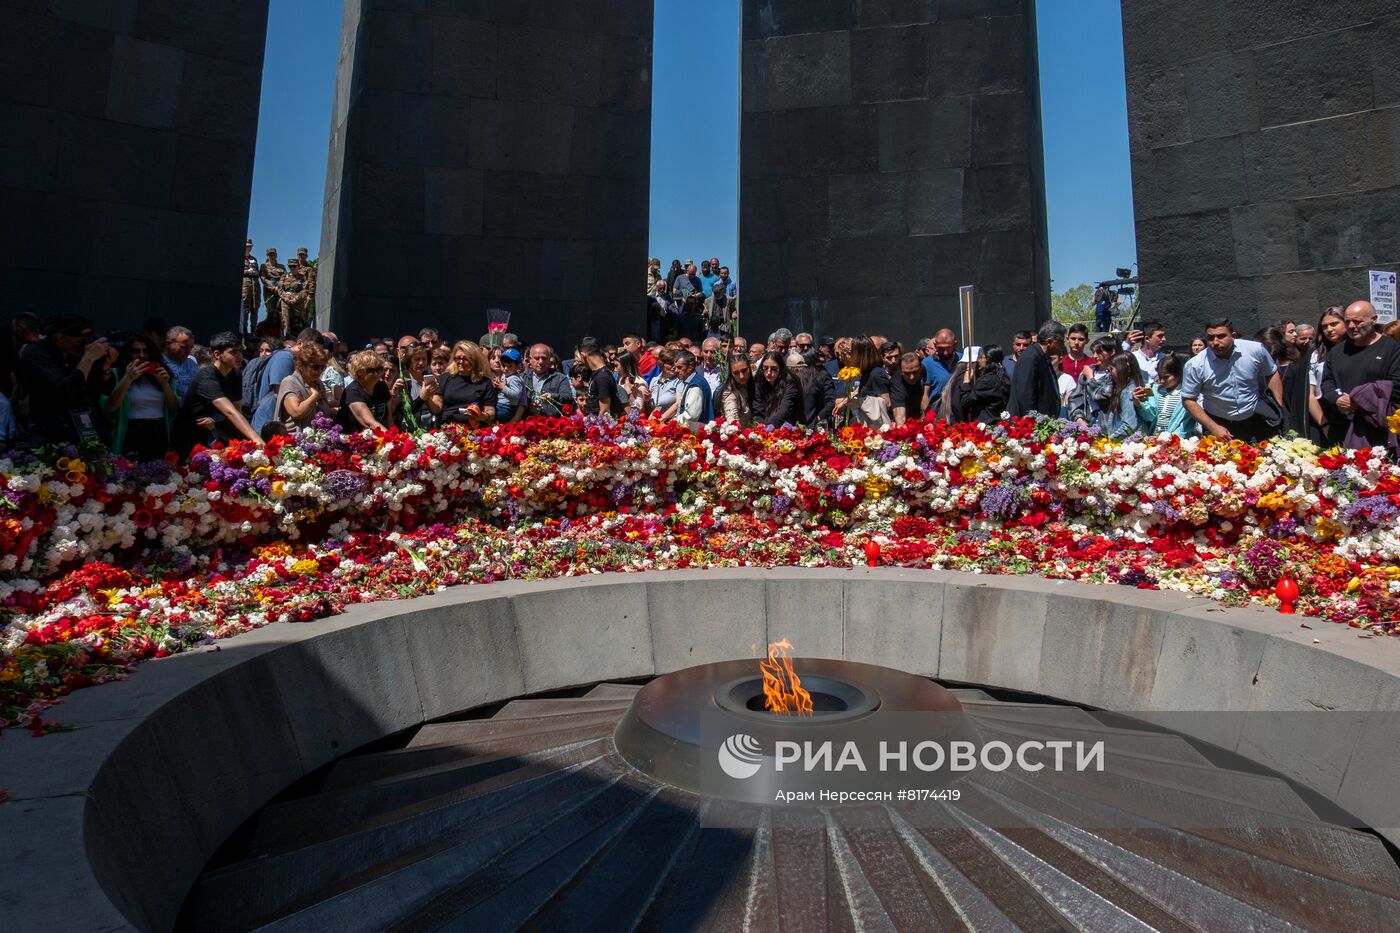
x: 325, y: 815
x: 534, y: 709
x: 1295, y: 894
x: 612, y: 692
x: 1310, y: 845
x: 246, y: 894
x: 361, y: 769
x: 1120, y: 741
x: 478, y: 731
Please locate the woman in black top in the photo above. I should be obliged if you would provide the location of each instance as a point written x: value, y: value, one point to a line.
x: 983, y: 389
x: 1294, y: 375
x: 874, y: 379
x: 466, y: 394
x: 368, y: 402
x: 777, y: 395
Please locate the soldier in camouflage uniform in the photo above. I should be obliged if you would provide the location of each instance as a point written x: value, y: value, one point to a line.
x: 291, y: 294
x: 271, y: 272
x: 309, y: 274
x: 252, y: 293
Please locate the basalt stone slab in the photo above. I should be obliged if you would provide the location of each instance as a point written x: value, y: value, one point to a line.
x: 531, y: 126
x: 892, y: 109
x: 1288, y: 123
x: 103, y: 105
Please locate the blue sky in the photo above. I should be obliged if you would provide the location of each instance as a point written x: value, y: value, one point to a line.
x: 1089, y: 189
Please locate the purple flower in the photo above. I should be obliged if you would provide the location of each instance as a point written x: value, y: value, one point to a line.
x: 344, y: 484
x: 1374, y: 510
x: 1003, y: 501
x: 1165, y: 509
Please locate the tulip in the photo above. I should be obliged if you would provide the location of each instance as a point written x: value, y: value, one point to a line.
x: 1287, y: 593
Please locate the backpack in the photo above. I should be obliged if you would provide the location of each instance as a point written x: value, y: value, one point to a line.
x: 252, y: 382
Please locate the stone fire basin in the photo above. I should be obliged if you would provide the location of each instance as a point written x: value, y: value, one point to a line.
x: 109, y: 826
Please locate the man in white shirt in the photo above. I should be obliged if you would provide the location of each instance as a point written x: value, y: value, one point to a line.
x: 1223, y: 385
x: 709, y: 363
x: 1149, y: 352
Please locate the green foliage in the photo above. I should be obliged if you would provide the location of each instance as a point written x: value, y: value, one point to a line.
x: 1072, y: 305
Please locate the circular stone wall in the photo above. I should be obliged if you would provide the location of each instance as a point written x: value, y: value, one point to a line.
x: 108, y: 826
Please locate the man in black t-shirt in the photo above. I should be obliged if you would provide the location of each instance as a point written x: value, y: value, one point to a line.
x: 909, y: 392
x: 211, y: 410
x: 602, y: 384
x: 1367, y: 356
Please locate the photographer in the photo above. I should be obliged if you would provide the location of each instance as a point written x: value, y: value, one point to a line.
x: 142, y: 404
x: 60, y: 375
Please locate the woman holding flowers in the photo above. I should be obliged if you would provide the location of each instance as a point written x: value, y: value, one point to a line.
x: 367, y: 402
x: 869, y: 394
x: 467, y: 395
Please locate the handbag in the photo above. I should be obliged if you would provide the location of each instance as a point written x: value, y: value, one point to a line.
x: 1269, y: 409
x: 872, y: 413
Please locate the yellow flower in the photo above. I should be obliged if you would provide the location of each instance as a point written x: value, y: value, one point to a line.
x: 262, y: 471
x: 1328, y: 529
x: 269, y: 551
x: 1276, y: 502
x: 1394, y: 422
x: 306, y: 567
x: 969, y: 467
x: 848, y: 373
x: 278, y: 487
x: 875, y: 487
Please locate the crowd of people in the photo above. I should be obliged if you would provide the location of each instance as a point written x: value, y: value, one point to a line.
x: 155, y: 393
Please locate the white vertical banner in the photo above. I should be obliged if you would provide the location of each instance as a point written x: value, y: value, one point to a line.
x: 1383, y: 295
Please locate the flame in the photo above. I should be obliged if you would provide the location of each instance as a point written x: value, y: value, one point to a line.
x: 782, y: 688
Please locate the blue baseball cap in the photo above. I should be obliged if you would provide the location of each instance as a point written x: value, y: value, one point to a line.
x: 511, y: 354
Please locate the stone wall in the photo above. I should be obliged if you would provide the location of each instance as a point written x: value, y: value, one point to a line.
x: 488, y: 155
x: 890, y: 153
x: 127, y: 156
x: 1266, y: 155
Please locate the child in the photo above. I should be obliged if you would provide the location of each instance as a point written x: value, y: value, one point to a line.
x: 1162, y: 412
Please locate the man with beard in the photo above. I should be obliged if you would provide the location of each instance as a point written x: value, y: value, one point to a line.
x: 940, y: 362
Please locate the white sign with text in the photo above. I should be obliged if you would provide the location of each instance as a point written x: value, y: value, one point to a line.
x: 1383, y: 295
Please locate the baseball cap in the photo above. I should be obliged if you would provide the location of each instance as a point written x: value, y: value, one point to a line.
x: 511, y: 354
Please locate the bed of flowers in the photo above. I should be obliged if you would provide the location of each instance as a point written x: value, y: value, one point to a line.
x: 104, y: 563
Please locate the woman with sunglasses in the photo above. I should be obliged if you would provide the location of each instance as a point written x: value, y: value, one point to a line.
x: 368, y: 402
x: 302, y: 394
x: 467, y: 395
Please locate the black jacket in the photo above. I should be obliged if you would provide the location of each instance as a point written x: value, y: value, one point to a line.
x: 983, y: 400
x: 1033, y: 385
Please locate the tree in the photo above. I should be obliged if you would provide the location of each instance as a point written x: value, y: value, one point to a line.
x: 1072, y: 306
